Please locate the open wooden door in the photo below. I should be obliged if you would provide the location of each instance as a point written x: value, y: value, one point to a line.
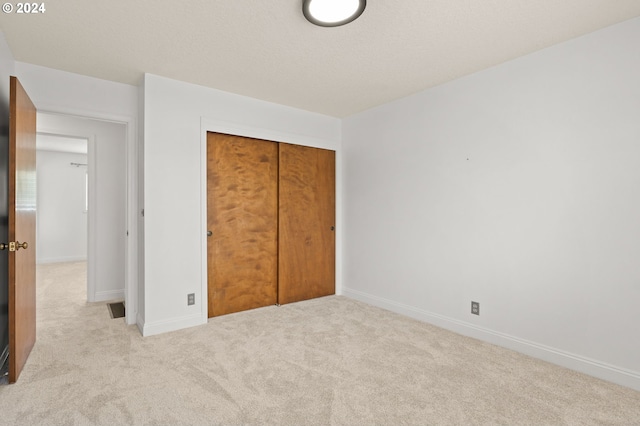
x: 22, y: 229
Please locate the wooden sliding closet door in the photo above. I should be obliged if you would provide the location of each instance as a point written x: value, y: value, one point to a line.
x: 306, y: 266
x: 242, y: 205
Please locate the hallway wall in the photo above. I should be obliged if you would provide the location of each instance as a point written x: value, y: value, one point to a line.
x: 61, y: 226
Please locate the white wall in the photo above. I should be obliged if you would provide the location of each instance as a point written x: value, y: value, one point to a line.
x: 73, y: 94
x: 176, y: 118
x: 60, y: 91
x: 7, y: 69
x: 107, y: 210
x: 516, y: 187
x: 61, y: 225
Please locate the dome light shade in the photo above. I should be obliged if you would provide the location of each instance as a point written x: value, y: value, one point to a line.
x: 332, y: 13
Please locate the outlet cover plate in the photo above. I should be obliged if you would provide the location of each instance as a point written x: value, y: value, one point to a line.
x: 475, y: 308
x: 191, y: 299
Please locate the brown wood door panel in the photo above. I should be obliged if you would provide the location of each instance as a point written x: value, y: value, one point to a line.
x: 306, y: 266
x: 22, y: 220
x: 242, y: 206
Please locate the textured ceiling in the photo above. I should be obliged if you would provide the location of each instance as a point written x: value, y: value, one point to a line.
x: 267, y: 50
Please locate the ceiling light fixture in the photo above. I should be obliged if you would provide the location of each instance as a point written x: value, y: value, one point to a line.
x: 332, y: 13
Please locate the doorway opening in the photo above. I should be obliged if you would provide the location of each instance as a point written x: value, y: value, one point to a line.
x: 62, y: 171
x: 82, y: 224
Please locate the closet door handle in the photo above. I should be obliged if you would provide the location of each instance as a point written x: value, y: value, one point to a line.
x: 209, y: 233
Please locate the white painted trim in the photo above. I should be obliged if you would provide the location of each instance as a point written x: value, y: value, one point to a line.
x: 239, y: 129
x: 103, y: 296
x: 131, y: 255
x: 61, y: 259
x: 92, y: 227
x: 139, y: 322
x: 339, y: 222
x: 568, y: 360
x: 205, y: 127
x: 173, y: 324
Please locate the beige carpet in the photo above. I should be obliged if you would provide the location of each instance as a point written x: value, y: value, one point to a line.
x: 321, y: 362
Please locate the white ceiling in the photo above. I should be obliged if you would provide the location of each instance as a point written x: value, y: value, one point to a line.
x: 47, y: 142
x: 267, y: 50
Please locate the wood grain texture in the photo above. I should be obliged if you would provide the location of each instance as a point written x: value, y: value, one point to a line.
x: 306, y: 267
x: 22, y: 226
x: 242, y: 206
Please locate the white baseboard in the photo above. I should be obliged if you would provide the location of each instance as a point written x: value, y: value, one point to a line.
x: 173, y: 324
x: 575, y: 362
x: 61, y: 259
x: 103, y: 296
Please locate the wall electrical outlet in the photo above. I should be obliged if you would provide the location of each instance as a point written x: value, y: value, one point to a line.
x: 191, y: 299
x: 475, y: 308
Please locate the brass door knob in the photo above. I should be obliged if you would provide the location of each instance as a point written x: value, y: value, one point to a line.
x: 21, y: 245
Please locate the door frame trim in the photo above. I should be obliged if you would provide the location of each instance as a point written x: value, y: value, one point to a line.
x: 131, y: 147
x: 249, y: 131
